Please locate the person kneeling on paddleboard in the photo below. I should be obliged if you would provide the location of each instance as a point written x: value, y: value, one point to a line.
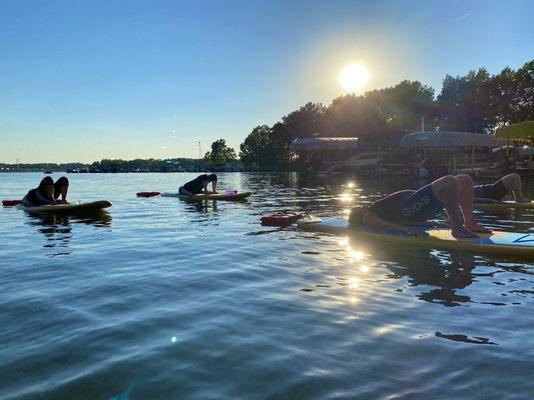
x: 400, y: 210
x: 496, y: 192
x: 200, y: 185
x: 47, y: 193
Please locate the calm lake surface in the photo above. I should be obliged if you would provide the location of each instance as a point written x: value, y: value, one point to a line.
x: 161, y: 299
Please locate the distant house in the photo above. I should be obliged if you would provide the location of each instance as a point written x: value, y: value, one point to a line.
x: 455, y: 152
x: 325, y: 153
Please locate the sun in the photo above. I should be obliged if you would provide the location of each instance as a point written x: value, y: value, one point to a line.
x: 353, y: 77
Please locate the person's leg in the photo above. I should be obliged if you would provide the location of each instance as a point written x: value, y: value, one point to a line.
x: 512, y: 183
x: 465, y: 191
x: 447, y: 191
x: 61, y: 187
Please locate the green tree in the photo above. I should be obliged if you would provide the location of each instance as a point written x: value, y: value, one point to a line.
x: 305, y: 122
x: 220, y: 153
x: 524, y: 98
x: 255, y: 150
x: 469, y: 103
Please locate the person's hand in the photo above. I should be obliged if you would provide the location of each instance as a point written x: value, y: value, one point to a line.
x: 63, y: 202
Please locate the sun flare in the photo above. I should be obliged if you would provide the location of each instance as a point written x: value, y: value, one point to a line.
x: 353, y: 77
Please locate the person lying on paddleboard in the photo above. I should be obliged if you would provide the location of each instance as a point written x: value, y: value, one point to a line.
x: 200, y: 185
x: 47, y: 193
x: 401, y: 210
x: 495, y: 193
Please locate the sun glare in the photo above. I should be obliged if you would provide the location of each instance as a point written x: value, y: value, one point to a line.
x: 353, y: 77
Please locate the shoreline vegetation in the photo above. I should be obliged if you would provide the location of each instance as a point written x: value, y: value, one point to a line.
x: 477, y: 102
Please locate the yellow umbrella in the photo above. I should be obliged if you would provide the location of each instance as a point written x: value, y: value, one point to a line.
x: 521, y: 132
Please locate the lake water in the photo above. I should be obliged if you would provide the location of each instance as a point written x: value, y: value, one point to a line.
x: 161, y: 299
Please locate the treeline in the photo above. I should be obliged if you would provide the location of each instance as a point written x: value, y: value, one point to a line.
x: 147, y: 165
x: 38, y: 167
x: 108, y: 165
x: 476, y: 102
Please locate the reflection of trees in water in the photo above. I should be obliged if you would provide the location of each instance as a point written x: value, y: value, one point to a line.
x: 446, y: 272
x: 57, y: 229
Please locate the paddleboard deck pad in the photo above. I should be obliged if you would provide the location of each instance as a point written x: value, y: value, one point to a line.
x: 200, y: 197
x: 505, y: 205
x: 73, y: 208
x: 505, y: 244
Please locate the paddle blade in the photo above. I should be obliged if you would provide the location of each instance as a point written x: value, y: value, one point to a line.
x: 148, y: 194
x: 11, y: 203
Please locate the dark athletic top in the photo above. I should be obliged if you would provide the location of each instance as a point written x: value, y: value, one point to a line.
x: 196, y: 185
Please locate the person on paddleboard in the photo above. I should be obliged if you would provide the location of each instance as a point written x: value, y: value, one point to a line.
x: 48, y: 192
x: 402, y: 210
x: 199, y: 185
x: 495, y: 193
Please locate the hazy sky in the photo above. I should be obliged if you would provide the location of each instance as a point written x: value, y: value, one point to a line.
x: 86, y: 80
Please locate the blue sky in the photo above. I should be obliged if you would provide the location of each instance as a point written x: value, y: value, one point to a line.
x: 86, y: 80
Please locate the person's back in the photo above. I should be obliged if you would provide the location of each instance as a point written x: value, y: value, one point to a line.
x: 199, y: 185
x: 47, y: 192
x: 196, y: 185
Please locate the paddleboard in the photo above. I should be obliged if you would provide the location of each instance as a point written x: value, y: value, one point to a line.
x: 73, y: 208
x: 200, y: 197
x: 510, y: 244
x: 504, y: 204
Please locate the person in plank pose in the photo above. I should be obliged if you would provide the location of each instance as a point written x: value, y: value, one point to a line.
x: 48, y: 192
x: 402, y: 210
x: 200, y: 185
x: 495, y: 193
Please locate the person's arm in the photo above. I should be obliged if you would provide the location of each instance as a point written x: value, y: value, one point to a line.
x: 205, y: 188
x: 373, y: 221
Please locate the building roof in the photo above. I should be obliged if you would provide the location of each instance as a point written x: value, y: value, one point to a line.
x: 522, y: 131
x: 448, y: 139
x: 325, y: 143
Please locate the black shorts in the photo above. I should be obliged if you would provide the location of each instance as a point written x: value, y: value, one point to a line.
x: 408, y: 206
x: 496, y: 191
x: 421, y: 205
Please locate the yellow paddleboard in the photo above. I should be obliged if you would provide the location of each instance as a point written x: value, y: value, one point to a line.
x: 506, y: 244
x: 73, y: 208
x: 218, y: 196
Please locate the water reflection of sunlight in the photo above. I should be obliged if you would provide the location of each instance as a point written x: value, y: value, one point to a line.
x: 354, y: 283
x: 356, y: 255
x: 351, y: 185
x: 345, y: 197
x: 388, y: 328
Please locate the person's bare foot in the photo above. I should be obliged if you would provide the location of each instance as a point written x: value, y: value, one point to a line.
x: 460, y: 232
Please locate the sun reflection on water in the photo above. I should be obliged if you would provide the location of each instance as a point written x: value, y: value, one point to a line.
x: 345, y: 197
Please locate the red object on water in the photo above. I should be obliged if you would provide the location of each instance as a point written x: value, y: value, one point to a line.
x: 148, y: 194
x: 280, y: 219
x: 10, y: 203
